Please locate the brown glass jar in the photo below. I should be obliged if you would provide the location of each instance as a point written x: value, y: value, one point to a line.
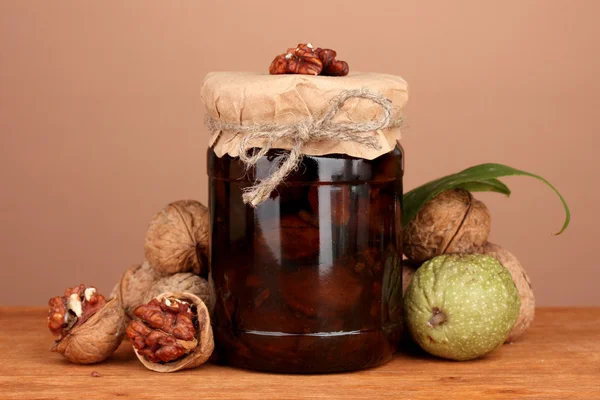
x: 310, y: 280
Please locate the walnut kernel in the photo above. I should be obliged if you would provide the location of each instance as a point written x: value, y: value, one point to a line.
x: 172, y: 332
x: 89, y: 328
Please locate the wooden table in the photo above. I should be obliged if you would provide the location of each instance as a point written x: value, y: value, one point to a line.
x: 558, y: 359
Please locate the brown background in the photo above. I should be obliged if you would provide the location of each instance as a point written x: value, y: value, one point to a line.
x: 101, y: 119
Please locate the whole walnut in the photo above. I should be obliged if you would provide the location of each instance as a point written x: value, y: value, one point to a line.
x: 89, y: 328
x: 452, y: 222
x: 177, y: 239
x: 523, y: 284
x: 133, y: 288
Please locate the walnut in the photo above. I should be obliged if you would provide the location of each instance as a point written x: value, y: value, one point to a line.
x: 523, y: 284
x: 72, y: 309
x: 306, y: 60
x: 301, y: 60
x: 140, y: 284
x: 331, y: 66
x: 185, y: 282
x: 134, y: 286
x: 166, y: 331
x: 172, y: 332
x: 452, y: 222
x: 89, y: 328
x: 519, y: 277
x: 177, y: 239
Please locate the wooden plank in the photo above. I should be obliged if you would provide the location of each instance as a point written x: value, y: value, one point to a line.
x: 558, y: 359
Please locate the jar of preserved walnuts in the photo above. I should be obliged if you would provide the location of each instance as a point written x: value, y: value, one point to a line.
x: 306, y: 227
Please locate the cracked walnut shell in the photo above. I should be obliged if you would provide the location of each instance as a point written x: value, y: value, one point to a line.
x: 452, y: 222
x: 177, y: 239
x: 172, y: 332
x: 185, y: 282
x: 140, y: 284
x: 89, y: 329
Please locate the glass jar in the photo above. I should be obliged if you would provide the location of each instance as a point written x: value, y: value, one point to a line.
x: 309, y: 281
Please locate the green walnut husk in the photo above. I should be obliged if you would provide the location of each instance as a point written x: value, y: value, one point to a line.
x: 461, y: 307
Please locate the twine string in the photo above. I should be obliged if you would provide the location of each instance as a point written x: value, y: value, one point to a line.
x: 299, y: 134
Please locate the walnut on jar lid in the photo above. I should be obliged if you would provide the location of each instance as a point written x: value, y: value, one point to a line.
x: 304, y: 59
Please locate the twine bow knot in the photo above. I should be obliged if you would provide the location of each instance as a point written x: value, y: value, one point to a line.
x: 300, y: 133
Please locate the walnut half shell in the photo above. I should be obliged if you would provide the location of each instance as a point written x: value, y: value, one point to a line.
x: 203, y: 342
x: 185, y: 282
x: 140, y: 284
x: 97, y: 338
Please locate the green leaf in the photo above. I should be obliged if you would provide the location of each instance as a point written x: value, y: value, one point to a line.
x: 478, y: 178
x: 487, y: 185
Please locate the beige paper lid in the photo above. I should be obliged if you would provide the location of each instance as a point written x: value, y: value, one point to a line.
x: 250, y: 99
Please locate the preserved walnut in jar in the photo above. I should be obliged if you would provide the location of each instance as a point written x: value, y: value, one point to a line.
x: 308, y: 275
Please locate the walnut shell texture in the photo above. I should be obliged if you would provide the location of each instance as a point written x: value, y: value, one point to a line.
x: 523, y: 284
x: 206, y: 344
x: 134, y: 286
x: 97, y: 338
x: 177, y: 239
x: 452, y: 222
x: 185, y: 282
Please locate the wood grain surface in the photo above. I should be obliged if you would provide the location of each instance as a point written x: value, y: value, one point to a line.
x: 558, y: 359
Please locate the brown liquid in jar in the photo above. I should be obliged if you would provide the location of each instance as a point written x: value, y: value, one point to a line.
x: 310, y: 281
